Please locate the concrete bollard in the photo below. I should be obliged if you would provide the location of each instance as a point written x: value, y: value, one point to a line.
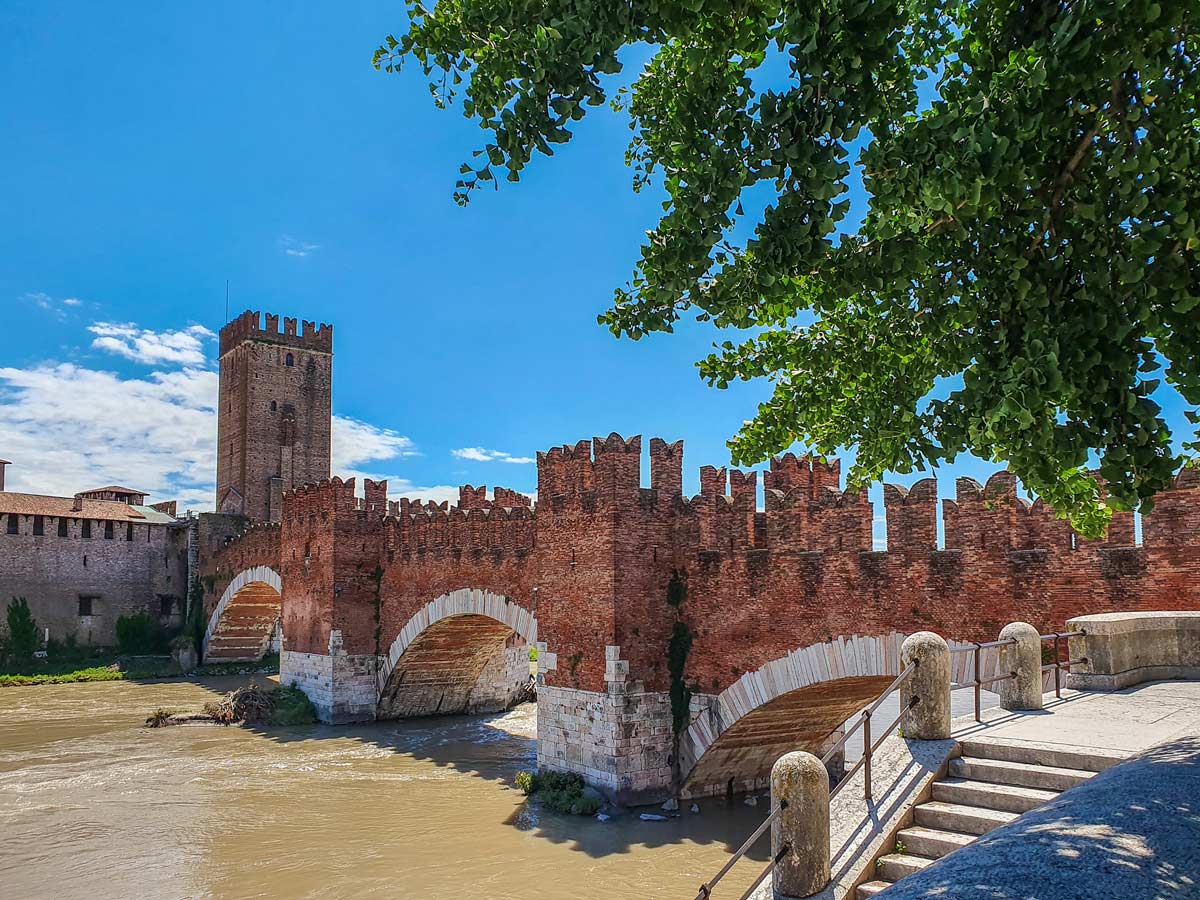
x: 801, y: 830
x: 929, y: 719
x: 1025, y: 658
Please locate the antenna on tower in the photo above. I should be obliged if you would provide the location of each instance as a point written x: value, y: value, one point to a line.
x: 226, y: 299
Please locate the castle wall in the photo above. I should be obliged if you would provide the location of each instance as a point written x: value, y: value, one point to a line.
x: 147, y: 574
x: 641, y: 594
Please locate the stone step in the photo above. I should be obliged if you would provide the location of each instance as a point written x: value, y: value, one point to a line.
x: 963, y: 819
x: 930, y: 842
x: 1001, y: 771
x: 221, y: 640
x: 871, y: 888
x: 1005, y: 797
x: 233, y: 655
x: 895, y: 866
x: 1089, y: 759
x: 242, y: 631
x: 235, y: 647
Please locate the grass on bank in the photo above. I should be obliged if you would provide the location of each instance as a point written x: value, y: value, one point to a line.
x: 109, y: 667
x: 561, y: 791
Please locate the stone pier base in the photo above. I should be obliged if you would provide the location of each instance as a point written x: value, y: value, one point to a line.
x: 620, y: 742
x: 342, y: 688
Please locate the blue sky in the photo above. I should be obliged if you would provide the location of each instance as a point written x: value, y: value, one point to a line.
x: 153, y: 151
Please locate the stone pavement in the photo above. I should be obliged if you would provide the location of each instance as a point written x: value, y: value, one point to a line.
x: 1139, y: 835
x: 1130, y: 833
x: 1125, y: 722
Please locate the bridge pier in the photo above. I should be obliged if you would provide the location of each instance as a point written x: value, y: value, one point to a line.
x: 619, y: 740
x: 343, y: 687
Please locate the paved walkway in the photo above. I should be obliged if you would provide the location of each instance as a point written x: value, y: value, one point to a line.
x: 1162, y: 795
x: 1123, y: 722
x: 1130, y: 833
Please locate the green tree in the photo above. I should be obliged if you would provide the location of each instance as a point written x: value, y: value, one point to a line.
x: 1025, y: 274
x: 22, y: 630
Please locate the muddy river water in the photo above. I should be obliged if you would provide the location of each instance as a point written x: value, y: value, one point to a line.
x: 94, y: 805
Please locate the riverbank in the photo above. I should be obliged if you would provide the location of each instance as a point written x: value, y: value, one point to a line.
x: 117, y: 668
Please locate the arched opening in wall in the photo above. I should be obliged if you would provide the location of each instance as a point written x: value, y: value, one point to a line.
x: 810, y: 718
x: 245, y: 625
x: 466, y: 663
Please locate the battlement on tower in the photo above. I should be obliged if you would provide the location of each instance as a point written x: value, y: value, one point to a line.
x: 250, y: 326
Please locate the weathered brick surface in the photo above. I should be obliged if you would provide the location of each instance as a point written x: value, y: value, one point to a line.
x: 595, y: 562
x: 273, y: 419
x: 141, y: 569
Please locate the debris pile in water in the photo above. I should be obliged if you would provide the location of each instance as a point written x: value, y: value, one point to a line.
x: 250, y: 705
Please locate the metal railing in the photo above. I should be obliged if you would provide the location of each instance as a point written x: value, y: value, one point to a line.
x: 974, y: 648
x: 706, y: 888
x: 977, y: 683
x: 872, y: 743
x: 1059, y: 664
x: 869, y: 748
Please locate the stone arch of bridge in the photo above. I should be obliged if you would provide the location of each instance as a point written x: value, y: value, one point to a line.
x: 246, y: 618
x: 796, y: 702
x: 465, y: 651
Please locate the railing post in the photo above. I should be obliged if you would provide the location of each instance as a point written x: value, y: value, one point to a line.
x: 978, y: 684
x: 800, y: 833
x: 1024, y: 657
x: 1057, y: 667
x: 867, y: 754
x: 928, y: 719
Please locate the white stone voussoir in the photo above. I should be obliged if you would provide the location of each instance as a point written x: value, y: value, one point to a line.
x: 264, y: 574
x: 841, y: 658
x: 462, y: 602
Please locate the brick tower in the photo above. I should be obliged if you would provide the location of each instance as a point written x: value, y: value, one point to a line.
x: 274, y: 417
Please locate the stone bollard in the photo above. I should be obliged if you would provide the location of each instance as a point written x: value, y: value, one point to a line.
x: 1025, y: 658
x: 929, y: 719
x: 800, y: 780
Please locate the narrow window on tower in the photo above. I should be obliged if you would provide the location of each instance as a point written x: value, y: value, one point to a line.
x: 274, y: 406
x: 85, y: 605
x: 291, y: 360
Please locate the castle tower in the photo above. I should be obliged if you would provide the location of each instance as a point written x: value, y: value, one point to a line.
x: 274, y: 414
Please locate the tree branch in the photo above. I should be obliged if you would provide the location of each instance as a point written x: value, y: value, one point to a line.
x: 1067, y: 175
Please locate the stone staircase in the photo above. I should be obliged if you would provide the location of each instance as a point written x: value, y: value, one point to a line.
x: 989, y: 785
x: 245, y: 627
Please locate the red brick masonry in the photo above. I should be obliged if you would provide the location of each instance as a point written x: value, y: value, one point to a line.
x: 594, y: 561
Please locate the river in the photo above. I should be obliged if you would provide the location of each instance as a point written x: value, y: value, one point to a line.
x: 92, y: 805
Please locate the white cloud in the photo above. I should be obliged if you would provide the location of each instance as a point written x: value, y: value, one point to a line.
x: 72, y: 301
x: 183, y: 347
x: 68, y: 428
x: 479, y: 454
x: 46, y: 303
x: 356, y: 442
x: 293, y: 247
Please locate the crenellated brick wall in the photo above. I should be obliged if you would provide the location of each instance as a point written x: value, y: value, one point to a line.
x: 595, y: 558
x: 611, y: 570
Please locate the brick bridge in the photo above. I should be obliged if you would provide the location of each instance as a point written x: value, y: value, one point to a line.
x: 683, y: 643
